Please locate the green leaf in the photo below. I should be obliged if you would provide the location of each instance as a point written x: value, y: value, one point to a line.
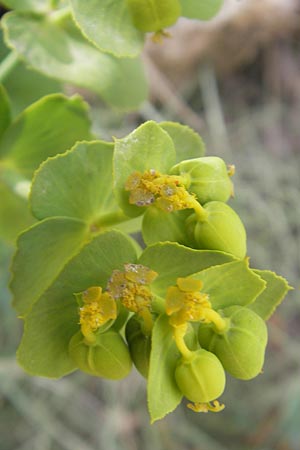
x: 5, y: 117
x: 276, y: 289
x: 57, y: 49
x: 49, y: 126
x: 76, y: 184
x: 27, y: 5
x: 171, y: 260
x: 231, y: 284
x: 160, y: 226
x: 147, y: 147
x: 44, y: 347
x: 43, y: 250
x: 163, y: 393
x: 25, y: 86
x: 54, y: 318
x: 109, y: 26
x: 14, y: 213
x: 188, y: 144
x: 200, y: 9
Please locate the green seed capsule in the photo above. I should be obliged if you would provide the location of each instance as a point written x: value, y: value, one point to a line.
x: 241, y: 348
x: 222, y: 230
x: 207, y: 178
x: 108, y: 357
x: 139, y: 345
x: 154, y: 15
x: 201, y: 379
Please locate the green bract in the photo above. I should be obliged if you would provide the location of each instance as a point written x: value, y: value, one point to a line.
x: 108, y: 357
x: 207, y: 178
x: 241, y: 347
x: 201, y: 379
x: 154, y: 15
x: 221, y: 229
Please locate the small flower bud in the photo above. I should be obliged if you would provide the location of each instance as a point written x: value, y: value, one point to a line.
x: 107, y: 357
x: 241, y: 347
x: 221, y: 230
x: 208, y: 178
x: 154, y: 15
x: 201, y: 379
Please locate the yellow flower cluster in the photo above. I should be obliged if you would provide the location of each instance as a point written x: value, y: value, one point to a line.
x: 167, y: 192
x: 98, y: 307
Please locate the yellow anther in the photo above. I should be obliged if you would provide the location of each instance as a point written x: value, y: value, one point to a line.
x: 97, y: 309
x: 215, y: 406
x: 159, y: 36
x: 166, y: 191
x: 131, y: 287
x: 185, y: 302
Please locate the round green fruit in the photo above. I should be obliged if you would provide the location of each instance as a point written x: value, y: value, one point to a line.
x: 154, y: 15
x: 108, y: 357
x: 206, y: 177
x: 241, y: 347
x: 139, y: 345
x: 221, y: 229
x: 201, y: 379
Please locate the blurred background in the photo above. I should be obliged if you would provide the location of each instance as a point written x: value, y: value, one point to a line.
x: 235, y: 80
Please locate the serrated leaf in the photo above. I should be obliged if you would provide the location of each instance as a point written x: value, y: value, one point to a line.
x: 14, y: 213
x: 5, y: 115
x: 27, y: 5
x: 231, y: 284
x: 266, y: 303
x: 42, y: 252
x: 163, y: 393
x: 58, y: 50
x: 200, y: 9
x: 76, y: 184
x: 54, y: 318
x: 109, y: 26
x: 160, y: 226
x: 45, y: 128
x: 147, y: 147
x: 188, y: 144
x: 171, y: 260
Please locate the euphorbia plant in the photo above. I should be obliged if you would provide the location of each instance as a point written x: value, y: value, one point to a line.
x: 185, y: 309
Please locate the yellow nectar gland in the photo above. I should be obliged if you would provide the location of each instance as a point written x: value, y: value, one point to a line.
x: 98, y: 307
x: 167, y: 192
x: 215, y: 406
x: 131, y: 287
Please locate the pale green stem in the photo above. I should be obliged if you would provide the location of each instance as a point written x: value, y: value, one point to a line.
x: 8, y: 64
x: 108, y: 220
x: 218, y: 321
x: 179, y: 333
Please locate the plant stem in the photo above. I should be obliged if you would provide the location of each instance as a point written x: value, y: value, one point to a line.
x: 178, y: 334
x: 8, y: 64
x: 220, y: 324
x: 108, y: 220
